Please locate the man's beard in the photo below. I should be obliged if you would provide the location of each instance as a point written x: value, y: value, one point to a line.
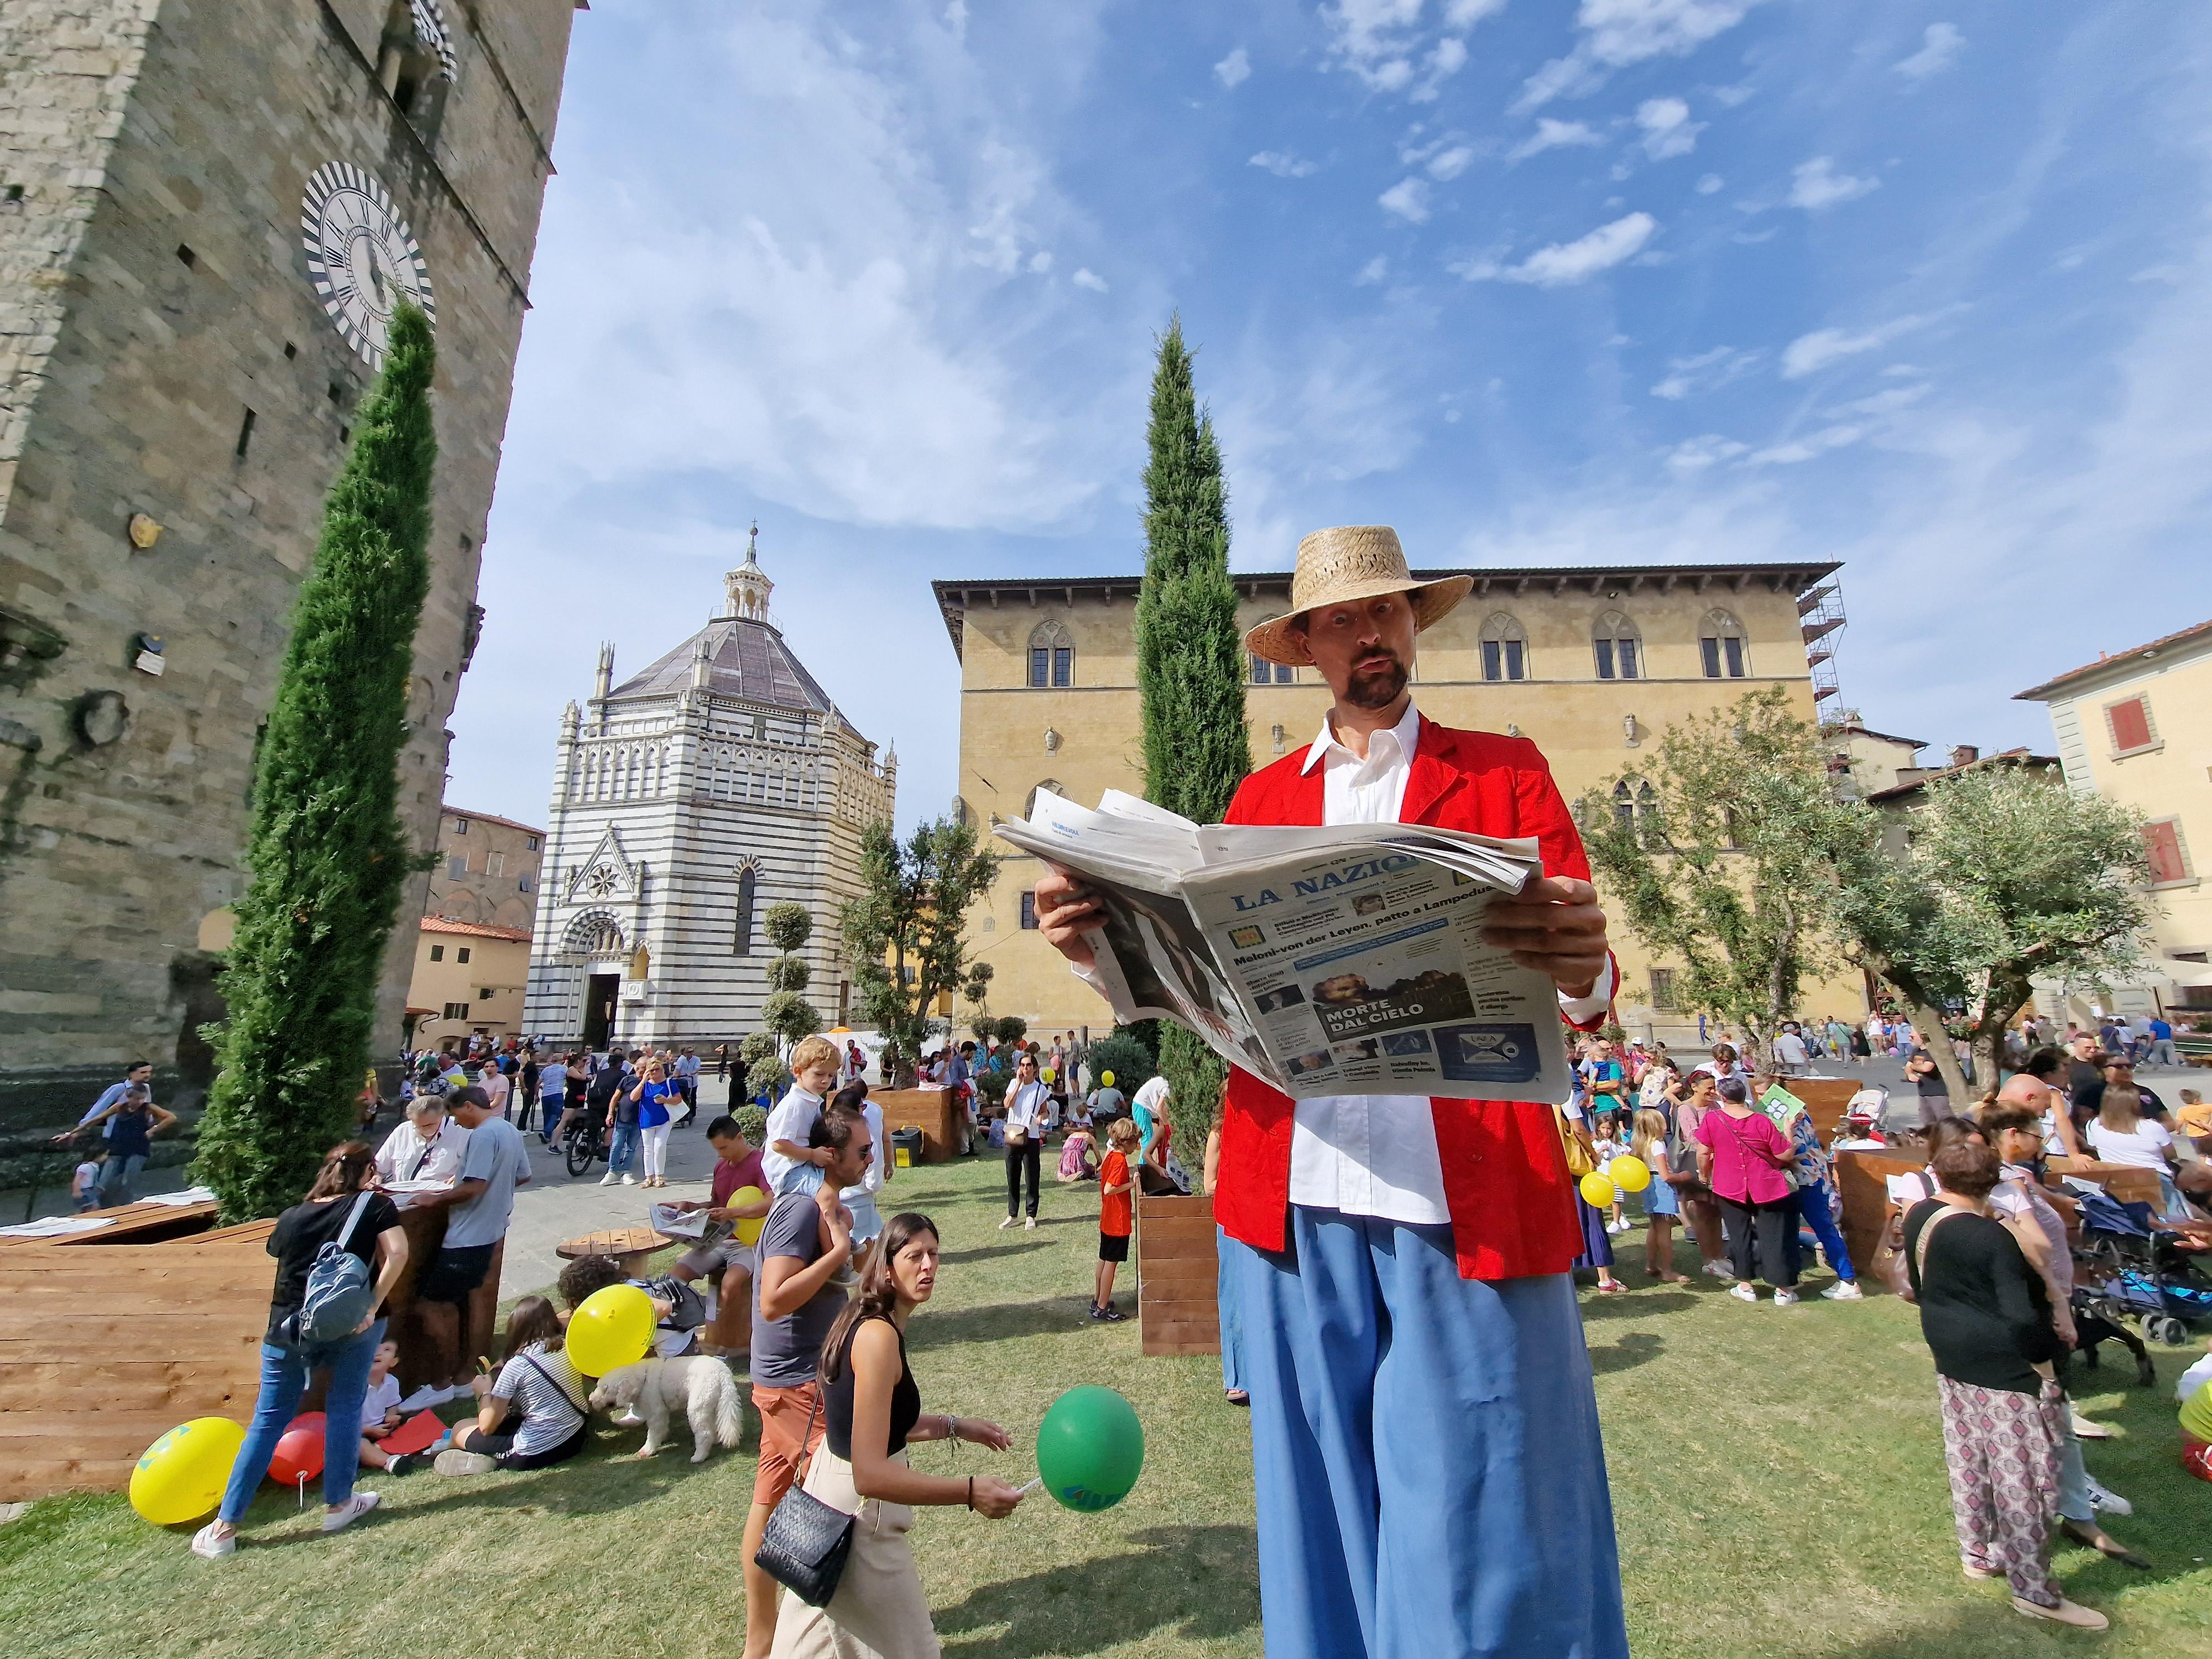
x: 1376, y: 688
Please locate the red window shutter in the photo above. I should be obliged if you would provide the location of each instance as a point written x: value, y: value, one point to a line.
x: 2130, y: 725
x: 2162, y: 842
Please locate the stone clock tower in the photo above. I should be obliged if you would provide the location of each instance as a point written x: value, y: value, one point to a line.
x: 207, y: 212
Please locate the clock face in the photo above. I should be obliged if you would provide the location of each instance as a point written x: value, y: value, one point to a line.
x: 361, y: 258
x: 430, y: 29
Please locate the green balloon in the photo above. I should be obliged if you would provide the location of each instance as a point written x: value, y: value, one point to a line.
x: 1091, y: 1447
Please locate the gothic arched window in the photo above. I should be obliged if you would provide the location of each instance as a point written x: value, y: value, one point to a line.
x: 1028, y: 806
x: 741, y: 943
x: 1052, y: 656
x: 1618, y: 647
x: 1505, y: 648
x: 1720, y: 640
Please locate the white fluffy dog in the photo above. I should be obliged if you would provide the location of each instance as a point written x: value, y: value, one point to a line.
x: 700, y: 1385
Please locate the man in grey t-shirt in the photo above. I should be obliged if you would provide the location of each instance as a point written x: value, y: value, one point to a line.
x: 478, y: 1206
x: 804, y: 1245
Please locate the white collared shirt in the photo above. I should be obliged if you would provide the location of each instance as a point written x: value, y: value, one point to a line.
x: 405, y: 1155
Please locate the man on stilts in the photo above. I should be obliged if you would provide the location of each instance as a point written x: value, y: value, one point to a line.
x: 1428, y: 1475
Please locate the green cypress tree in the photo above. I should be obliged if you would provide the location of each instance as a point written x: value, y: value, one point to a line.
x: 326, y: 854
x: 1190, y: 667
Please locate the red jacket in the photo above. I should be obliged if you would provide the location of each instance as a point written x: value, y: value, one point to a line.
x: 1506, y: 1179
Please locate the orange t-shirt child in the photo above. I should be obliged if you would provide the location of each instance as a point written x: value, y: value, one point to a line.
x: 1116, y: 1214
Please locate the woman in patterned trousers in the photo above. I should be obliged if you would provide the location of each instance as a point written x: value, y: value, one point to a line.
x: 1986, y: 1318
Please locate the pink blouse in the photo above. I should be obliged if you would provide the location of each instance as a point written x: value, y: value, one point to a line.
x: 1739, y: 1172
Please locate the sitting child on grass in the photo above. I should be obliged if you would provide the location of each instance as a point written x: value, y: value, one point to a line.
x: 380, y: 1415
x: 679, y: 1309
x: 531, y: 1413
x: 1075, y: 1164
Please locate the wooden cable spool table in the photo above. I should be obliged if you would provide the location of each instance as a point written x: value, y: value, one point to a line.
x: 629, y: 1246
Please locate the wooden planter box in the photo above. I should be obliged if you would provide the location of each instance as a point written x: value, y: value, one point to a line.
x: 935, y: 1112
x: 1177, y: 1276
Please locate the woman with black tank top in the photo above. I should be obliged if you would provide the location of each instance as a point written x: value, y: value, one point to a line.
x: 871, y: 1410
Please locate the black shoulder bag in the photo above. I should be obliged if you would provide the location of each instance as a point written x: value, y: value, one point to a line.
x: 806, y: 1543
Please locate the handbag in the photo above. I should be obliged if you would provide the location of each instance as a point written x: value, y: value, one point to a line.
x: 1579, y: 1162
x: 804, y: 1545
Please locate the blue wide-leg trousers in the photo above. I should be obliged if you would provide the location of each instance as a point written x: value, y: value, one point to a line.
x: 1428, y: 1471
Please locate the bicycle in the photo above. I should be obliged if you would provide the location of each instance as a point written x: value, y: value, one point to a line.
x: 585, y: 1144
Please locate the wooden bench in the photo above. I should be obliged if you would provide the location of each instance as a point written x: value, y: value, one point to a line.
x: 1178, y: 1268
x: 629, y: 1246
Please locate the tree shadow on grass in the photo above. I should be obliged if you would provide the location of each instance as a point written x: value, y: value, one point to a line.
x: 1633, y: 1349
x: 995, y: 1322
x: 1636, y: 1304
x: 1197, y: 1584
x: 989, y: 1252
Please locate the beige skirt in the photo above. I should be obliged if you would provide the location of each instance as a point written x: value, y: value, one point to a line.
x: 879, y: 1611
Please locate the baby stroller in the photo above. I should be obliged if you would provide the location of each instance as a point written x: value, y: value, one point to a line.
x: 2139, y: 1268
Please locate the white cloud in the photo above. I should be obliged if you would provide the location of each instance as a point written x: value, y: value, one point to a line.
x: 1408, y: 198
x: 1939, y: 46
x: 1694, y: 455
x: 1234, y: 70
x: 1564, y: 264
x: 1374, y: 270
x: 1447, y: 59
x: 1388, y: 45
x: 1705, y: 371
x: 1808, y: 353
x: 1895, y: 399
x: 1554, y: 135
x: 1450, y: 163
x: 1668, y: 131
x: 1283, y: 164
x: 1710, y: 184
x: 1795, y: 451
x: 956, y: 18
x: 1040, y: 261
x: 1616, y: 33
x: 1816, y: 184
x: 1086, y: 277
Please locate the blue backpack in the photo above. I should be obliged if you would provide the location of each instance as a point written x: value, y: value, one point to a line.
x: 341, y: 1293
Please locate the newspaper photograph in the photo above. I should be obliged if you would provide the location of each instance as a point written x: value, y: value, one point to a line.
x: 1340, y: 960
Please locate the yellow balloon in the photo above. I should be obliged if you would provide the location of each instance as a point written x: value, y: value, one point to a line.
x: 1630, y: 1174
x: 1046, y: 1074
x: 1105, y: 1079
x: 1597, y: 1192
x: 182, y: 1475
x: 748, y: 1231
x: 612, y: 1329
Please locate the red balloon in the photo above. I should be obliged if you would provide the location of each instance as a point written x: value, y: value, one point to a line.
x: 298, y: 1455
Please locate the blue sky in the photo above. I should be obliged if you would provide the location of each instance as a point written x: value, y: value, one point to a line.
x: 1926, y: 287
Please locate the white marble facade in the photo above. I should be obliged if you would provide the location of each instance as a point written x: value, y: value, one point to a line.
x: 686, y: 800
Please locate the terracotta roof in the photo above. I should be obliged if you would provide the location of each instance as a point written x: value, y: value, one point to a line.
x: 2041, y: 693
x: 453, y: 812
x: 2003, y: 758
x: 474, y: 929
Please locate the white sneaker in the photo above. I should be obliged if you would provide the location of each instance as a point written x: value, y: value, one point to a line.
x: 1718, y: 1271
x: 426, y: 1398
x: 1007, y: 1222
x: 629, y: 1181
x: 2106, y: 1501
x: 2085, y: 1430
x: 463, y: 1462
x: 1743, y: 1293
x: 208, y: 1547
x: 1784, y: 1297
x: 1843, y: 1290
x: 608, y: 1179
x: 1028, y: 1225
x: 359, y: 1505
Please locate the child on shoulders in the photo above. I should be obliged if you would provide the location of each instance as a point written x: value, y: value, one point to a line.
x: 790, y: 1164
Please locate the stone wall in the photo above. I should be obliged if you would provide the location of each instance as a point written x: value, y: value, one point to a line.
x: 186, y: 304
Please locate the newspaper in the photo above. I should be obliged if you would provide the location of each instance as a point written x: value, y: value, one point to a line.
x: 1327, y: 961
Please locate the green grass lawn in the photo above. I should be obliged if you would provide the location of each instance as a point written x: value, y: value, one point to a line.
x: 1776, y: 1475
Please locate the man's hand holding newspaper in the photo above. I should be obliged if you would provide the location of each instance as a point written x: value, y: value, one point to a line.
x: 1383, y: 957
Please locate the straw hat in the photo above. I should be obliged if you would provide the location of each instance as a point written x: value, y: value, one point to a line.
x: 1352, y: 561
